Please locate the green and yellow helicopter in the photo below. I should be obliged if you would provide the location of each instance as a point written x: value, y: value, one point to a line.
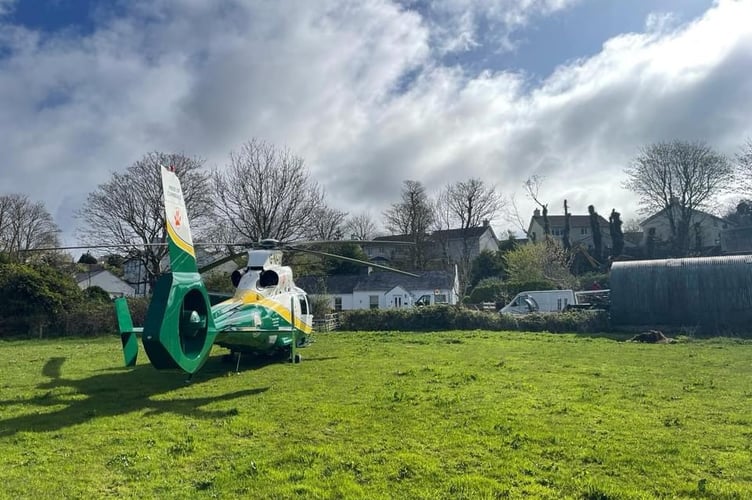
x: 268, y: 314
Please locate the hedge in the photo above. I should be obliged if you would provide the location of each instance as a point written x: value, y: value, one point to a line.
x: 87, y: 319
x: 439, y: 318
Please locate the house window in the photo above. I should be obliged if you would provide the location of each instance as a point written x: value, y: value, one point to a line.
x: 583, y: 231
x: 373, y: 301
x: 440, y: 298
x: 337, y: 303
x: 556, y: 231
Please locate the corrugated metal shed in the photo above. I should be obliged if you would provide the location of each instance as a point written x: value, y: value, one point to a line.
x: 712, y: 293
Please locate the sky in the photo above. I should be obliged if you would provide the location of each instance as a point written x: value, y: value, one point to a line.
x: 370, y: 92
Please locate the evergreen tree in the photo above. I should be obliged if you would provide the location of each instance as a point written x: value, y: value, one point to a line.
x: 617, y: 235
x: 595, y: 228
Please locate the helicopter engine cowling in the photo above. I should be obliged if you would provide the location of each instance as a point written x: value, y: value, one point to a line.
x: 179, y: 329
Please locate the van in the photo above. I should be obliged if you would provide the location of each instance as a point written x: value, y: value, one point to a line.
x: 540, y: 301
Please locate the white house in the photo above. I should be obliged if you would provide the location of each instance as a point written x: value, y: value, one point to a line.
x: 580, y: 230
x: 384, y: 290
x: 105, y: 280
x: 456, y: 244
x: 448, y: 246
x: 135, y: 273
x: 704, y: 228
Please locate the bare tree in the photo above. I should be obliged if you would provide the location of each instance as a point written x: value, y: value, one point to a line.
x: 679, y: 178
x: 127, y: 211
x: 465, y: 205
x: 412, y: 216
x: 472, y: 202
x: 326, y: 224
x: 532, y: 187
x: 360, y: 227
x: 24, y: 225
x: 266, y: 192
x: 744, y: 169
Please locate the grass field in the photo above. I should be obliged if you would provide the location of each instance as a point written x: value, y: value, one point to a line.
x: 376, y: 415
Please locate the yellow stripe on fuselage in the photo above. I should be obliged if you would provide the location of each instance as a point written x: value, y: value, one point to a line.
x: 181, y: 243
x: 251, y: 297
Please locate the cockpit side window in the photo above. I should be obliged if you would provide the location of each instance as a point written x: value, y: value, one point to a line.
x: 303, y: 304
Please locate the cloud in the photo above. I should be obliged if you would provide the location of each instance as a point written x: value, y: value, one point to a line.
x: 581, y: 127
x: 360, y: 90
x: 464, y: 25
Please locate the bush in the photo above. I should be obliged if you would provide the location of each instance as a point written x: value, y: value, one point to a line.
x: 439, y: 318
x: 97, y: 294
x: 487, y: 290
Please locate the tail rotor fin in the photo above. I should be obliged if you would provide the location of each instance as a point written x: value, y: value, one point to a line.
x: 128, y: 334
x: 179, y: 329
x: 179, y: 241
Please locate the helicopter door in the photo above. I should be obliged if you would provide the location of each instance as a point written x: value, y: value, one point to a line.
x: 305, y: 312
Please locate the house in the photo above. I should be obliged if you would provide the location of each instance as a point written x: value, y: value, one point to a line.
x: 383, y: 290
x: 458, y: 244
x: 135, y: 273
x: 580, y: 230
x: 736, y: 240
x: 448, y: 246
x: 704, y: 229
x: 388, y: 249
x: 104, y: 279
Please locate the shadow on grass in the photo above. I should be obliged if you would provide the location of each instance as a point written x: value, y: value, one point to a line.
x: 116, y: 392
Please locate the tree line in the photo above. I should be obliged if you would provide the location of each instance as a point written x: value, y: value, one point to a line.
x: 268, y: 192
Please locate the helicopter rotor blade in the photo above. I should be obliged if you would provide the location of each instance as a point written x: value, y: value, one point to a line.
x: 99, y: 246
x: 350, y: 259
x: 218, y: 262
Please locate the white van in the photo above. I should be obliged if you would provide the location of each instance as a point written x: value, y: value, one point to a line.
x: 539, y: 301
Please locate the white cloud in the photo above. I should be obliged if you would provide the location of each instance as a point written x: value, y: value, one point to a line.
x: 461, y: 25
x: 354, y: 88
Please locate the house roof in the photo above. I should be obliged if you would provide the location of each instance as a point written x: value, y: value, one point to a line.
x: 574, y: 220
x: 441, y: 234
x: 634, y: 237
x: 393, y: 237
x: 695, y: 213
x: 87, y: 275
x: 471, y: 232
x: 381, y: 281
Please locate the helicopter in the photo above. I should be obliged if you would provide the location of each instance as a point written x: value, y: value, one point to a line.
x: 268, y: 313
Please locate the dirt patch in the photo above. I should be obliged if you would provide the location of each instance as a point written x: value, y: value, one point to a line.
x: 652, y: 337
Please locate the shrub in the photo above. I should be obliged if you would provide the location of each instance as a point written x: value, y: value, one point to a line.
x: 97, y: 294
x: 487, y: 290
x: 438, y: 318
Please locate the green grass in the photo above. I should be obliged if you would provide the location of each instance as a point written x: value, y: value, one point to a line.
x: 375, y: 415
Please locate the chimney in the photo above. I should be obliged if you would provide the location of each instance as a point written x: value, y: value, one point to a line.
x: 485, y: 222
x: 536, y: 212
